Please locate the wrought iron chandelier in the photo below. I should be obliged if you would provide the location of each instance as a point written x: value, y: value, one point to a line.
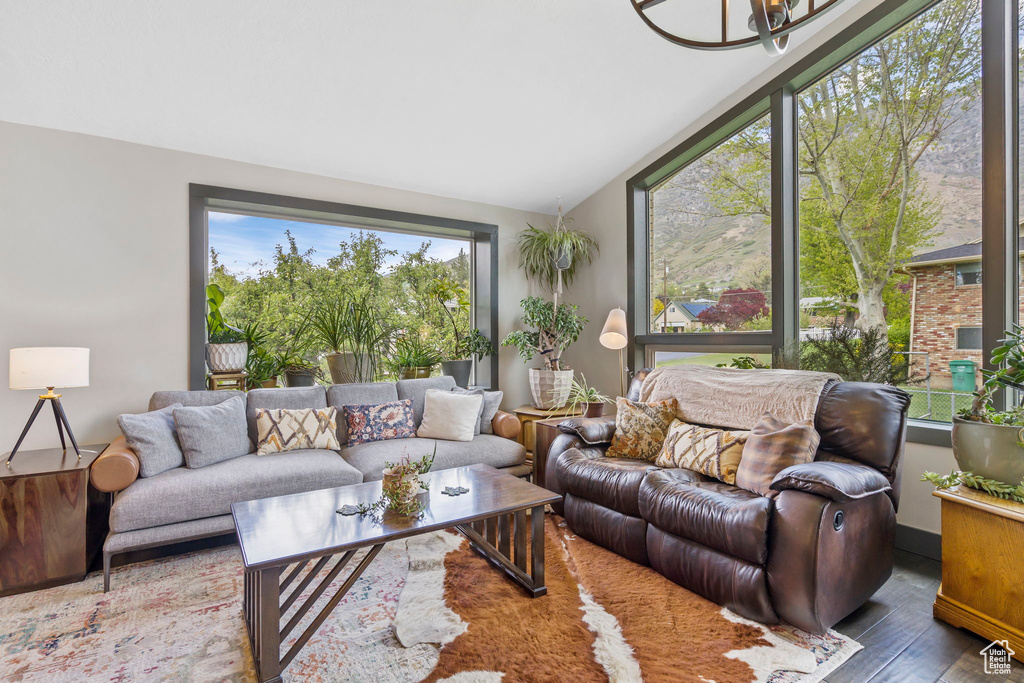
x: 770, y: 22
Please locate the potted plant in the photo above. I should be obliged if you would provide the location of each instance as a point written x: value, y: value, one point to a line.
x: 552, y: 255
x: 989, y: 443
x: 355, y: 335
x: 477, y: 346
x: 552, y: 334
x: 450, y: 295
x: 261, y: 367
x: 589, y: 398
x: 413, y: 359
x: 226, y: 350
x: 298, y: 370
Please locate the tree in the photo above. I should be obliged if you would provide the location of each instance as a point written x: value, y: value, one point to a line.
x: 863, y: 129
x: 735, y: 307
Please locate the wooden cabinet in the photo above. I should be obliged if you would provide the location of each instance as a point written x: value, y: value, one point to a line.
x: 52, y: 522
x: 982, y: 566
x: 528, y: 415
x: 545, y: 433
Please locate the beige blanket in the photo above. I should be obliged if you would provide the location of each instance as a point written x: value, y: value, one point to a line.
x: 728, y: 397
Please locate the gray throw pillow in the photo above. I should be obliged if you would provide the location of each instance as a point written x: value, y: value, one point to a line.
x: 479, y: 415
x: 492, y: 402
x: 151, y: 435
x: 211, y: 434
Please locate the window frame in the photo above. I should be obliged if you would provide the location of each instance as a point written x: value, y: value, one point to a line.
x: 956, y: 337
x: 483, y: 238
x: 999, y: 77
x: 957, y: 279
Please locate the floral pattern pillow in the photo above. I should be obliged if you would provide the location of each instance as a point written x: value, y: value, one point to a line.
x: 380, y: 422
x: 640, y: 428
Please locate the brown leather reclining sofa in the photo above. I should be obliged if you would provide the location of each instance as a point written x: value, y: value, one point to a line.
x: 808, y: 556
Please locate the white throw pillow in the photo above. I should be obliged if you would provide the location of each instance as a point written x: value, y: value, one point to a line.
x: 448, y: 416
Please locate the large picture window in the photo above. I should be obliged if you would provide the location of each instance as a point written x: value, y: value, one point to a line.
x: 882, y: 184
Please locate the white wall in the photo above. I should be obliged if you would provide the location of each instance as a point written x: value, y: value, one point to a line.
x: 94, y: 253
x: 603, y: 286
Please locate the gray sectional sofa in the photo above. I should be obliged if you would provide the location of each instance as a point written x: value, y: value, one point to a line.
x: 185, y: 504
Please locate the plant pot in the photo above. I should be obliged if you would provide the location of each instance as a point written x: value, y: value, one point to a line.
x: 594, y: 409
x: 550, y: 388
x: 227, y: 357
x: 990, y: 451
x: 459, y: 369
x: 415, y: 373
x: 269, y: 383
x: 302, y: 378
x: 342, y: 367
x: 408, y: 486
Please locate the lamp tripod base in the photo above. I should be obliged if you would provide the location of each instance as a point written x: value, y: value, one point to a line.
x: 58, y: 415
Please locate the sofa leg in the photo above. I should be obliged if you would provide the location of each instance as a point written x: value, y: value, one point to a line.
x: 106, y: 571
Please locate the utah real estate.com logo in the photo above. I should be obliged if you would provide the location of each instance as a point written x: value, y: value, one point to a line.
x: 997, y: 656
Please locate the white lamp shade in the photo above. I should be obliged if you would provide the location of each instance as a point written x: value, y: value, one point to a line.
x: 614, y: 335
x: 42, y: 367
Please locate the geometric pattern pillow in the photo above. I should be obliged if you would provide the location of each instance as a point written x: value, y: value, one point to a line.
x: 381, y: 422
x: 771, y: 447
x: 640, y: 428
x: 281, y: 429
x: 713, y: 452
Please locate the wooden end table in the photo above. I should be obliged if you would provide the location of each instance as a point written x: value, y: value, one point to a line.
x: 501, y: 515
x: 529, y: 416
x: 52, y: 522
x: 982, y: 565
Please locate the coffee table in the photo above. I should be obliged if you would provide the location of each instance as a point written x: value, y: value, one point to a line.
x: 281, y: 536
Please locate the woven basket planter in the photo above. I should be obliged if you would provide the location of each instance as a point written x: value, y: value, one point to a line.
x: 550, y: 388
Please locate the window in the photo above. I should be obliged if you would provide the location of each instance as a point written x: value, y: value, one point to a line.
x: 968, y: 338
x: 277, y: 259
x: 710, y: 239
x: 663, y: 358
x: 968, y: 274
x: 869, y: 165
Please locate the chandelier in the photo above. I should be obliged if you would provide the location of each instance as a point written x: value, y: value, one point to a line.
x: 770, y: 22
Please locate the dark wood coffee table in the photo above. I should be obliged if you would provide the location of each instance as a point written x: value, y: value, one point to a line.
x: 281, y: 536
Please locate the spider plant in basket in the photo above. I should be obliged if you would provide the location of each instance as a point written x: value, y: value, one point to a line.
x: 588, y: 398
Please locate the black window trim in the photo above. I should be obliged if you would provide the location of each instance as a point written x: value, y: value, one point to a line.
x: 999, y: 186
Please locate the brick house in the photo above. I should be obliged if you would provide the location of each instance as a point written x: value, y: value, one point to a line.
x: 945, y: 308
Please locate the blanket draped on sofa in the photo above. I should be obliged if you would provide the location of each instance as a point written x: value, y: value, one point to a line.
x: 733, y: 398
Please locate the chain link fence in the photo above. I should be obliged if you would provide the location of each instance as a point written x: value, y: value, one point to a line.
x: 936, y: 404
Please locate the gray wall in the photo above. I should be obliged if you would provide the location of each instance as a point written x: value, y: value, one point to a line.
x: 95, y: 253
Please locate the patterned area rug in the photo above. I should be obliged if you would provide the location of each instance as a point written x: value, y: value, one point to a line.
x: 460, y: 620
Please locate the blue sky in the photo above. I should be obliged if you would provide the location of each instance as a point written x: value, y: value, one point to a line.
x: 241, y: 241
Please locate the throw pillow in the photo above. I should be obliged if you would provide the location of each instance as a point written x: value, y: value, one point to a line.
x: 449, y: 416
x: 714, y: 452
x: 492, y: 403
x: 478, y: 427
x: 640, y: 428
x: 379, y: 422
x: 771, y: 447
x: 212, y: 434
x: 281, y: 429
x: 151, y: 435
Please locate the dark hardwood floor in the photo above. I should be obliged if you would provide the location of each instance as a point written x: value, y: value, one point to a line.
x: 903, y: 642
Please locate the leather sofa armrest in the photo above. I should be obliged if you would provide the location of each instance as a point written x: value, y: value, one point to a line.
x: 836, y: 481
x: 590, y: 430
x: 116, y: 467
x: 506, y: 425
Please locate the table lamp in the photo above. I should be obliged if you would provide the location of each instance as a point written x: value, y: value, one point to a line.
x: 49, y: 367
x: 614, y: 335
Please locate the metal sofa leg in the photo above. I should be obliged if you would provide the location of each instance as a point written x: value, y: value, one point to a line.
x: 106, y: 571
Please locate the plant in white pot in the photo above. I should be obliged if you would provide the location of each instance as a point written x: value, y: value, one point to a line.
x: 226, y: 348
x: 552, y: 333
x: 988, y: 444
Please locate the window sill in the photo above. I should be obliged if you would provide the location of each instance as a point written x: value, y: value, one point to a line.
x: 930, y: 433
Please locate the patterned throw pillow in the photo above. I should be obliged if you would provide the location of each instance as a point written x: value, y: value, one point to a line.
x: 640, y: 428
x: 381, y: 422
x: 771, y: 447
x: 281, y: 429
x: 714, y: 452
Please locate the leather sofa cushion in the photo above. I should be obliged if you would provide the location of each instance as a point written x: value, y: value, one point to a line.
x: 723, y: 517
x: 864, y: 422
x: 622, y: 534
x: 591, y: 430
x: 836, y: 481
x: 610, y: 482
x: 484, y: 449
x: 184, y: 494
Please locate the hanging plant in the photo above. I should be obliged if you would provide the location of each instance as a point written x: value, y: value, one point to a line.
x: 546, y: 252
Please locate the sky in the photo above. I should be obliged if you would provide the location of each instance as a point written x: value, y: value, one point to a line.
x: 240, y: 241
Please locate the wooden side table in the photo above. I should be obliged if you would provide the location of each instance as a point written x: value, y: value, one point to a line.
x: 223, y: 381
x: 528, y: 415
x: 52, y: 522
x: 982, y: 565
x: 545, y: 432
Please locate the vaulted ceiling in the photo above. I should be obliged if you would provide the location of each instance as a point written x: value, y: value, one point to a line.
x: 508, y: 102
